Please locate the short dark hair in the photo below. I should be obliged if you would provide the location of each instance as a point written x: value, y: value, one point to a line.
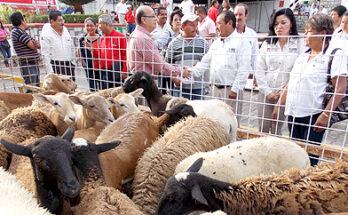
x: 16, y: 18
x: 213, y: 2
x: 202, y: 9
x: 175, y: 12
x: 53, y: 15
x: 158, y: 11
x: 340, y: 9
x: 288, y: 13
x: 139, y: 14
x: 229, y: 15
x: 246, y: 8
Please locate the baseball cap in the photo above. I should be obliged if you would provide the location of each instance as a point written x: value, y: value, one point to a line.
x: 129, y: 5
x: 189, y: 17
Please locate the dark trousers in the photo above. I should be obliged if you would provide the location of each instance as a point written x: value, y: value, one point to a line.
x: 93, y: 78
x: 302, y: 128
x: 30, y: 73
x: 6, y: 53
x: 111, y: 78
x: 63, y: 68
x: 131, y: 27
x: 191, y: 94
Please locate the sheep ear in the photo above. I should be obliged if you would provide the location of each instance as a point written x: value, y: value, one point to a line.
x: 107, y: 146
x: 77, y: 100
x: 197, y: 195
x: 41, y: 98
x: 136, y: 93
x: 69, y: 134
x: 196, y: 166
x: 17, y: 149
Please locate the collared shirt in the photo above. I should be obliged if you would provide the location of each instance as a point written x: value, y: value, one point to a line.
x: 206, y: 27
x: 143, y: 55
x: 183, y: 53
x: 213, y: 12
x: 20, y: 40
x: 165, y: 39
x: 159, y: 31
x: 274, y: 64
x: 227, y: 61
x: 121, y: 8
x: 112, y: 48
x: 251, y: 36
x: 308, y: 80
x: 55, y: 46
x: 186, y: 7
x: 337, y: 31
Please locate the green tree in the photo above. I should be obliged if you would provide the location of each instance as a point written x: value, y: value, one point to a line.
x: 77, y: 4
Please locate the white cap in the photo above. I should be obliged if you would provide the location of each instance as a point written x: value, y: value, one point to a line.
x: 128, y: 5
x: 189, y: 17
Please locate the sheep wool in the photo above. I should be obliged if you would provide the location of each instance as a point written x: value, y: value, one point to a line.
x: 158, y: 163
x: 246, y: 158
x: 15, y: 199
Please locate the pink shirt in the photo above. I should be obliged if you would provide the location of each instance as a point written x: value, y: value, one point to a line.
x: 2, y: 33
x: 143, y: 55
x: 206, y: 27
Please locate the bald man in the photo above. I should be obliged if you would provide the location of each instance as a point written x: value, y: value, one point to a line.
x: 142, y: 54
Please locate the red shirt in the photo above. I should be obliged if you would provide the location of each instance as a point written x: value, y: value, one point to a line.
x: 212, y: 13
x: 112, y: 48
x: 129, y: 17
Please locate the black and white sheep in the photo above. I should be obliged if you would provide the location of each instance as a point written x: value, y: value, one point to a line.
x: 316, y: 190
x: 158, y: 163
x: 253, y: 157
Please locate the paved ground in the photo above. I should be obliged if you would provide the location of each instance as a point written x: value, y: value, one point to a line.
x: 336, y: 136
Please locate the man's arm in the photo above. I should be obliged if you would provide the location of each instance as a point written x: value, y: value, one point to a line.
x: 45, y: 52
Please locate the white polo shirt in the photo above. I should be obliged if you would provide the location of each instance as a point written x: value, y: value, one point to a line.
x: 186, y: 7
x: 228, y: 62
x: 251, y: 36
x: 274, y: 64
x: 121, y: 8
x: 308, y: 80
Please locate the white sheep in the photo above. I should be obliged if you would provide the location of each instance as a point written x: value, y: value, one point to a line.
x: 158, y: 163
x: 321, y: 189
x: 125, y: 103
x: 15, y: 199
x: 59, y: 83
x: 253, y: 157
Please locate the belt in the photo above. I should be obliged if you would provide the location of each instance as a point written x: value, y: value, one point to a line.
x: 221, y: 86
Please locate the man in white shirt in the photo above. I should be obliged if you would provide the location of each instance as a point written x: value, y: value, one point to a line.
x: 228, y: 61
x: 313, y: 10
x: 206, y: 27
x: 336, y: 15
x: 187, y: 7
x: 121, y: 10
x: 241, y: 12
x: 57, y: 46
x: 323, y: 10
x: 162, y: 25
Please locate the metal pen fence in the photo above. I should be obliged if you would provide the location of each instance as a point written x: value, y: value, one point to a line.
x: 215, y: 80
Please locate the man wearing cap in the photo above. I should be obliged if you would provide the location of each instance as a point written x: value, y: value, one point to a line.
x: 228, y: 61
x: 186, y: 50
x: 130, y: 19
x: 142, y: 54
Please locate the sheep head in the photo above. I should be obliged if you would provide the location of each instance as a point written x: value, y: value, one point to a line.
x: 141, y: 80
x: 179, y: 112
x: 125, y: 103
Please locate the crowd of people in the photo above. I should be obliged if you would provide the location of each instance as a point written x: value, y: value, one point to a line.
x: 200, y: 54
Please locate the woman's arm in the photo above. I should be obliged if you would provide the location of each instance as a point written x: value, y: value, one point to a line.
x: 340, y: 83
x: 280, y: 103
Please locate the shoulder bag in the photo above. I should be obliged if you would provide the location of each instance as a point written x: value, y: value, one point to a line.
x: 341, y: 112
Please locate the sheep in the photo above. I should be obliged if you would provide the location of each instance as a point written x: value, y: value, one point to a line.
x: 214, y: 109
x: 137, y: 131
x: 158, y: 163
x: 54, y: 177
x: 22, y: 124
x: 246, y: 158
x: 91, y: 109
x: 15, y: 199
x: 96, y: 197
x: 59, y: 83
x: 125, y: 103
x: 110, y: 93
x: 316, y: 190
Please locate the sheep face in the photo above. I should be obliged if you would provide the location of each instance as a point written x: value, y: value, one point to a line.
x: 141, y: 80
x: 67, y: 80
x: 52, y: 165
x: 179, y: 112
x: 126, y: 102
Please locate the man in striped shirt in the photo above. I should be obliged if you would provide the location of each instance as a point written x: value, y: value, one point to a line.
x: 186, y: 50
x: 26, y: 49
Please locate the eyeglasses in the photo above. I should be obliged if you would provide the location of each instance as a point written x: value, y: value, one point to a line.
x: 150, y: 16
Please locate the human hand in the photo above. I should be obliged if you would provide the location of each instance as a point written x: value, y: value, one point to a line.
x: 322, y: 121
x: 277, y: 96
x: 275, y: 113
x: 87, y: 45
x: 176, y: 81
x: 271, y: 96
x: 186, y: 73
x: 37, y: 44
x: 232, y: 95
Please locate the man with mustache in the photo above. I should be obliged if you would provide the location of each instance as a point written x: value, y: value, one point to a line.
x: 57, y: 46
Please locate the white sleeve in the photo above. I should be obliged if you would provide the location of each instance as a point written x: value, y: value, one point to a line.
x: 339, y: 64
x: 261, y: 69
x: 243, y: 65
x: 254, y: 52
x: 45, y: 52
x: 202, y: 66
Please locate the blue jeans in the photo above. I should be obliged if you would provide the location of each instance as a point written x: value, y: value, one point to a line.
x: 30, y: 73
x: 6, y: 53
x: 191, y: 94
x: 130, y: 27
x: 305, y: 131
x: 111, y: 78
